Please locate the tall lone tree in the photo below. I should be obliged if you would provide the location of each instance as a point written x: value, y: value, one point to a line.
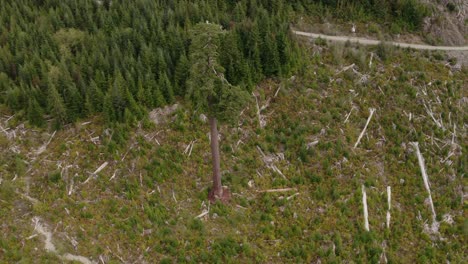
x: 209, y: 92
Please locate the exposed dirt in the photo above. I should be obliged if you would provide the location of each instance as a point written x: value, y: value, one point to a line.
x: 447, y: 25
x: 225, y: 197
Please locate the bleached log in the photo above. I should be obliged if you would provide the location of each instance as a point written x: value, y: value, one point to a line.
x: 261, y: 152
x: 261, y: 120
x: 191, y: 148
x: 425, y: 178
x: 348, y: 115
x: 113, y: 175
x: 70, y: 189
x: 42, y: 148
x: 29, y: 198
x: 345, y: 69
x: 266, y: 105
x: 277, y: 91
x: 104, y: 165
x: 31, y: 237
x: 371, y: 110
x: 389, y: 198
x: 95, y: 140
x: 8, y: 119
x: 311, y: 144
x: 187, y: 148
x: 275, y: 169
x: 205, y: 212
x: 292, y: 196
x: 364, y: 203
x: 126, y: 153
x: 101, y: 167
x: 370, y: 61
x: 277, y: 190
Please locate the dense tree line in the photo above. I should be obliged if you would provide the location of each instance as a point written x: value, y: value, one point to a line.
x: 64, y: 60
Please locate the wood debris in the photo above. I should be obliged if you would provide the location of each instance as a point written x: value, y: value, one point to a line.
x: 49, y: 246
x: 43, y: 148
x: 364, y: 208
x: 389, y: 199
x: 277, y: 190
x: 189, y: 148
x: 371, y: 110
x: 435, y: 225
x: 94, y: 174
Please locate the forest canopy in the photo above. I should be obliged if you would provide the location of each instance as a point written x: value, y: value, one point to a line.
x: 66, y: 60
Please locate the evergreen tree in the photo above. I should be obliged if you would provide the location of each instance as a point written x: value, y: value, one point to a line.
x: 56, y: 107
x: 166, y: 86
x: 209, y: 92
x: 35, y: 113
x: 117, y: 97
x: 181, y: 75
x: 270, y: 56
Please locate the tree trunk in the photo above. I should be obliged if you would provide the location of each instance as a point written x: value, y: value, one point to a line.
x: 217, y: 187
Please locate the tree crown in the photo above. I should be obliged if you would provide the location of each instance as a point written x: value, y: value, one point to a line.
x: 207, y: 88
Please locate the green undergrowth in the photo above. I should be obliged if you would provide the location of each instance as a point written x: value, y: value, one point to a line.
x: 143, y: 205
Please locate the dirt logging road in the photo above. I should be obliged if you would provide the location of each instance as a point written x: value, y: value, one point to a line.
x: 365, y: 41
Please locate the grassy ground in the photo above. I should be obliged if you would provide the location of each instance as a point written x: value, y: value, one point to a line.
x: 142, y: 206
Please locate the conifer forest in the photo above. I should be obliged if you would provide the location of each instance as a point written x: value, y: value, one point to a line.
x: 233, y: 131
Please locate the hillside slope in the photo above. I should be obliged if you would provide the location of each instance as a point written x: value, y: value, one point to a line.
x: 142, y: 206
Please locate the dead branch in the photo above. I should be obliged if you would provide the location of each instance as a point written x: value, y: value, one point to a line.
x: 371, y: 110
x: 430, y: 112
